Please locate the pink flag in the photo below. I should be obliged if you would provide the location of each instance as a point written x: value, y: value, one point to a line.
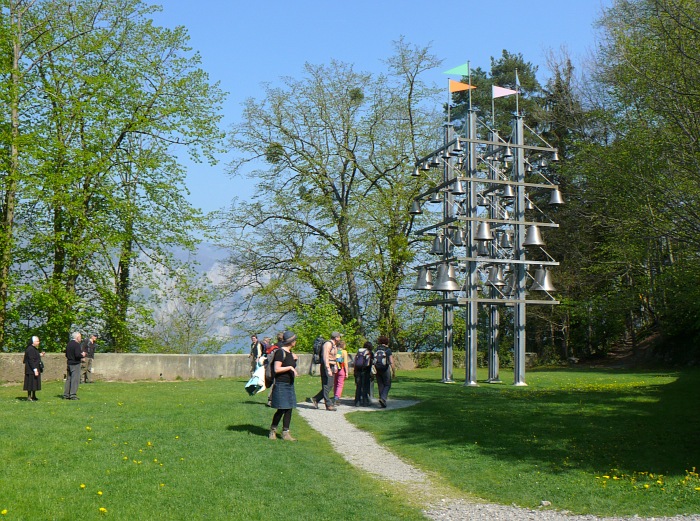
x: 499, y: 92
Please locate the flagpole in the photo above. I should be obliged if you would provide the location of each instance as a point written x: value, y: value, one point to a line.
x: 448, y: 102
x: 469, y: 81
x: 517, y: 93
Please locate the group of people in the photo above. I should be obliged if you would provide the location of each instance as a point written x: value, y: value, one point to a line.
x: 335, y: 366
x: 79, y: 358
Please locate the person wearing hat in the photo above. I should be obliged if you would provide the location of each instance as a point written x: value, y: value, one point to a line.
x: 284, y: 397
x: 328, y: 370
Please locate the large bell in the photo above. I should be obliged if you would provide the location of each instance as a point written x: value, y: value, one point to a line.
x: 542, y: 281
x: 416, y: 172
x: 508, y: 155
x: 482, y: 249
x: 434, y: 161
x: 458, y: 237
x: 495, y: 276
x: 438, y: 246
x: 415, y: 208
x: 508, y: 192
x: 505, y: 241
x: 483, y: 232
x: 458, y: 188
x: 533, y: 237
x: 556, y: 198
x: 425, y: 279
x: 435, y: 198
x: 446, y: 279
x: 482, y: 200
x: 457, y: 149
x: 426, y: 166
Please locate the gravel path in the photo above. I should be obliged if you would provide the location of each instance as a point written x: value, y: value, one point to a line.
x: 346, y: 438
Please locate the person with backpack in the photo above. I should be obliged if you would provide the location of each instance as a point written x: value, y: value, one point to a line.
x: 342, y: 362
x: 284, y: 397
x: 269, y: 376
x: 328, y: 369
x: 384, y: 365
x: 362, y: 367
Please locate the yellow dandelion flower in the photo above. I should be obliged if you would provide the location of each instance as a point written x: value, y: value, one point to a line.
x: 82, y: 485
x: 606, y: 477
x: 659, y: 482
x: 4, y: 512
x: 149, y: 444
x: 162, y: 484
x: 177, y: 437
x: 103, y: 510
x: 99, y: 492
x: 125, y: 458
x: 88, y: 428
x: 615, y: 477
x: 697, y: 488
x: 155, y: 460
x: 646, y: 486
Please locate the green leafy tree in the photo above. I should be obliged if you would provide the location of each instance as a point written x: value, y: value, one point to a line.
x: 330, y: 216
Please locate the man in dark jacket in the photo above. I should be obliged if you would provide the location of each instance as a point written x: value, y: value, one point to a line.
x: 74, y: 355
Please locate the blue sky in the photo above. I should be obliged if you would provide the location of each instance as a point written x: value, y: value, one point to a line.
x: 245, y: 43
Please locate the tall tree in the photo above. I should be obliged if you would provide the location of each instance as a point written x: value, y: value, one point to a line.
x: 330, y: 217
x: 114, y: 96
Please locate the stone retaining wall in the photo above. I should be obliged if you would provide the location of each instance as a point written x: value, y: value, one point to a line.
x: 132, y: 366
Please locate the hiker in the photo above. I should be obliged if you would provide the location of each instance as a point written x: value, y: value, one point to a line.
x: 384, y: 365
x: 328, y: 370
x: 342, y: 363
x: 362, y: 367
x: 284, y: 397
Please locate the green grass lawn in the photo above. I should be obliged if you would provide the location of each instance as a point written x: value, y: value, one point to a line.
x: 601, y: 442
x: 587, y: 441
x: 172, y: 450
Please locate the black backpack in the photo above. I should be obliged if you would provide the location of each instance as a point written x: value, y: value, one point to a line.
x: 361, y: 359
x: 269, y: 368
x: 381, y: 361
x: 318, y: 347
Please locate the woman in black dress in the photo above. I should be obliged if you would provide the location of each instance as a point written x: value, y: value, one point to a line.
x: 284, y: 397
x: 32, y: 369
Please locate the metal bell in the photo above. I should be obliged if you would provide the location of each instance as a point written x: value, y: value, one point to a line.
x: 438, y: 246
x: 533, y: 237
x: 555, y: 156
x: 415, y: 208
x: 505, y: 241
x: 434, y: 162
x: 426, y: 166
x: 508, y: 155
x: 542, y: 281
x: 495, y: 276
x: 528, y: 204
x: 508, y: 192
x: 435, y: 198
x: 458, y: 237
x: 446, y: 279
x: 483, y: 232
x: 458, y: 188
x: 482, y: 249
x: 458, y: 147
x: 416, y: 172
x: 556, y: 198
x: 425, y: 279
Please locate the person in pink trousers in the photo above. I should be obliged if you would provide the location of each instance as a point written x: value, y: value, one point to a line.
x: 342, y: 360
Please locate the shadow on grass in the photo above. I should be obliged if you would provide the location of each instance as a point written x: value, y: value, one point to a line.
x: 592, y: 425
x: 255, y: 430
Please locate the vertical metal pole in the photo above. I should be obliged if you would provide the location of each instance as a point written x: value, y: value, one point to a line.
x: 472, y: 307
x: 519, y: 318
x: 447, y: 309
x: 494, y: 316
